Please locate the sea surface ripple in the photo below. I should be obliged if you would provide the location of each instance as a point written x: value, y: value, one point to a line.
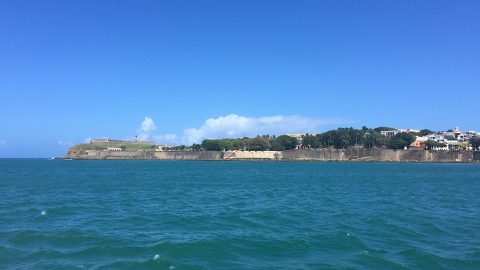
x: 60, y: 214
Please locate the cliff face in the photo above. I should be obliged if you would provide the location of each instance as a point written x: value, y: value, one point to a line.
x: 253, y: 155
x: 378, y: 155
x: 162, y: 155
x: 294, y: 155
x: 189, y: 155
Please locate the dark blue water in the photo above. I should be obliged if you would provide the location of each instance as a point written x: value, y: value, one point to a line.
x: 238, y: 215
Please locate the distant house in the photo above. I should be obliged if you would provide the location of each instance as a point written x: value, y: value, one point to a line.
x: 452, y: 144
x: 470, y: 134
x: 419, y: 142
x: 457, y: 131
x: 114, y: 149
x: 437, y: 137
x: 390, y: 133
x: 461, y: 136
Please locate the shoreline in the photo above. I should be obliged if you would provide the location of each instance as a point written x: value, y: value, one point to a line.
x: 279, y: 161
x: 299, y: 155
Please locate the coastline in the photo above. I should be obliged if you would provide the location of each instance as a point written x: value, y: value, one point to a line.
x: 324, y: 154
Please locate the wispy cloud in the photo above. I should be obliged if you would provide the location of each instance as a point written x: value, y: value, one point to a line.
x: 236, y: 126
x: 3, y: 142
x: 146, y: 129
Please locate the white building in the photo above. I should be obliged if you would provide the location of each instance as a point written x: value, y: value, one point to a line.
x: 452, y: 144
x: 390, y: 133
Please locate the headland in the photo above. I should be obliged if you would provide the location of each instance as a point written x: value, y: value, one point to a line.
x: 381, y: 144
x: 324, y: 154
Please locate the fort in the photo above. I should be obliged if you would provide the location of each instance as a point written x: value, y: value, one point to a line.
x: 325, y: 154
x: 336, y: 145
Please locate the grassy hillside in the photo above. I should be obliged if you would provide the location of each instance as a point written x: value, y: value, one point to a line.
x: 124, y: 146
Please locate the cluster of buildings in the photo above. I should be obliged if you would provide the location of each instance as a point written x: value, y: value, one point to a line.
x: 450, y: 140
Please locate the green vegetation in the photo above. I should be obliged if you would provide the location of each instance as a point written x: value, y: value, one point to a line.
x: 378, y: 129
x: 397, y: 143
x: 215, y: 145
x: 340, y: 138
x: 310, y: 141
x: 196, y: 147
x: 407, y: 137
x: 283, y: 142
x: 374, y: 139
x: 221, y: 144
x: 475, y: 142
x: 177, y: 148
x: 258, y: 144
x: 425, y: 132
x: 123, y: 145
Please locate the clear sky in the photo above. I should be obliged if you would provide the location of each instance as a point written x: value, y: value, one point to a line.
x: 72, y: 70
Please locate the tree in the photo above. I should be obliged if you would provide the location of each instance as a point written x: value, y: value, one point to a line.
x: 475, y: 142
x: 283, y: 142
x: 425, y: 132
x: 382, y: 141
x: 196, y: 147
x: 238, y: 144
x: 408, y: 138
x: 396, y: 143
x: 401, y: 140
x: 431, y: 144
x: 342, y: 137
x: 378, y: 129
x: 342, y: 140
x: 212, y: 145
x: 325, y: 139
x: 288, y: 142
x: 258, y: 144
x: 311, y: 141
x: 177, y: 148
x: 375, y: 139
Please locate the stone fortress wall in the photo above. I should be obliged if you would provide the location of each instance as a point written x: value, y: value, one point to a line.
x: 383, y: 155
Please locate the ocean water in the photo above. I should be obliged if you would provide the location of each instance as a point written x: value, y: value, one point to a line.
x: 59, y: 214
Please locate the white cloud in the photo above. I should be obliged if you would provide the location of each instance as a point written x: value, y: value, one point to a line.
x: 236, y: 126
x: 64, y: 143
x: 146, y: 129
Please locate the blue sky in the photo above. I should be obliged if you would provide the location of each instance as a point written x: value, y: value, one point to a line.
x: 72, y: 70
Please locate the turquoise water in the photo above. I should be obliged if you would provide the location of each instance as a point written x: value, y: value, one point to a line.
x: 238, y: 215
